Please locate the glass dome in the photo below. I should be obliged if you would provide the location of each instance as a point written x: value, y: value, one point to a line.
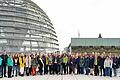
x: 25, y: 26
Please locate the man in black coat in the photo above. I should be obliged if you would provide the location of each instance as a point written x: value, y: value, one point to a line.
x: 4, y: 56
x: 101, y: 64
x: 115, y: 65
x: 91, y: 64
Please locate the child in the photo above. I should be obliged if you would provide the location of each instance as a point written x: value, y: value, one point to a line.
x: 10, y: 65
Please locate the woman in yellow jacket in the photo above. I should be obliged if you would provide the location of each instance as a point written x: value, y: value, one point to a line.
x: 22, y: 64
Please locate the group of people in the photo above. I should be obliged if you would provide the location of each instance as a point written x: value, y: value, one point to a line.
x: 97, y: 64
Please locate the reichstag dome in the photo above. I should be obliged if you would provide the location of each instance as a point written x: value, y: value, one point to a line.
x: 24, y: 26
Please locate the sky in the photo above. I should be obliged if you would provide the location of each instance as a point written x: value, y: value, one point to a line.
x: 88, y: 17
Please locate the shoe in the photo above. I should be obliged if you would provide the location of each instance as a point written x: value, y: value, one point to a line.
x: 1, y: 77
x: 5, y: 76
x: 9, y: 77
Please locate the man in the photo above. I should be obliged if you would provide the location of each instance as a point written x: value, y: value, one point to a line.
x: 86, y: 64
x: 4, y: 57
x: 115, y: 64
x: 96, y: 70
x: 101, y: 64
x: 91, y: 64
x: 78, y: 64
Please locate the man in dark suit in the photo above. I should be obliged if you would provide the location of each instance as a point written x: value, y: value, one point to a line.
x: 4, y: 56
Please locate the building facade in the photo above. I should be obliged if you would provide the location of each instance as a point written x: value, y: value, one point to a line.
x: 25, y: 26
x: 108, y: 45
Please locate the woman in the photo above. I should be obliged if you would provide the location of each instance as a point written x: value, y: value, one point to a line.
x: 22, y: 64
x: 40, y: 62
x: 16, y: 63
x: 28, y: 64
x: 10, y: 65
x: 34, y: 64
x: 107, y: 66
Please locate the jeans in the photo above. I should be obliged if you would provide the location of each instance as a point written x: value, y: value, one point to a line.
x: 115, y: 71
x: 15, y: 69
x: 107, y: 71
x: 81, y: 70
x: 87, y: 71
x: 0, y: 71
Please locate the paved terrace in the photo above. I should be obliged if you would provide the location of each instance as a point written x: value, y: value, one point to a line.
x: 62, y: 77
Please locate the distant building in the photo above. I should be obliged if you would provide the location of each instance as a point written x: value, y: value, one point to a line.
x: 95, y: 44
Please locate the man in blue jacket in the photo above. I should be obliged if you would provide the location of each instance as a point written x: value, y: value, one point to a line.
x: 86, y: 64
x: 0, y: 67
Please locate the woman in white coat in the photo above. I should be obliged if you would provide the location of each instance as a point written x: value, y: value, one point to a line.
x: 107, y: 66
x: 28, y: 64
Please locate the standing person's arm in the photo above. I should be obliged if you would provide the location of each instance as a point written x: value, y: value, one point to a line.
x: 104, y: 64
x: 111, y: 63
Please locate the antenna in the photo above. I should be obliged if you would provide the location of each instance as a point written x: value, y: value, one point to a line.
x: 78, y: 33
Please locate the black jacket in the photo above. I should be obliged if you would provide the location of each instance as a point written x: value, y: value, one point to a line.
x: 4, y: 61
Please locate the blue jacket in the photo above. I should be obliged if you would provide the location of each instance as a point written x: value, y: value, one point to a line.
x: 9, y: 61
x: 1, y: 61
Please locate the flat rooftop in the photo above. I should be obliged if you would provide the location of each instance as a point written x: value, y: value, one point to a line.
x: 95, y: 41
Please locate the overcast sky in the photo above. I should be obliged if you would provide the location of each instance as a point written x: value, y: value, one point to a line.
x: 90, y: 17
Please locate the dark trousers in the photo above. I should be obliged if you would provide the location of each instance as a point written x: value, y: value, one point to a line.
x: 81, y: 70
x: 51, y: 69
x: 96, y: 71
x: 9, y: 71
x: 27, y: 71
x: 73, y: 68
x: 4, y: 70
x: 45, y: 69
x: 67, y: 66
x: 55, y: 70
x: 115, y: 71
x: 64, y: 68
x: 78, y: 69
x: 30, y: 70
x: 58, y: 68
x: 87, y: 71
x: 110, y: 72
x: 70, y: 68
x: 102, y: 71
x: 40, y: 70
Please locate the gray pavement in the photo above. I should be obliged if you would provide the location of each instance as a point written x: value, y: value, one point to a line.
x: 62, y: 77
